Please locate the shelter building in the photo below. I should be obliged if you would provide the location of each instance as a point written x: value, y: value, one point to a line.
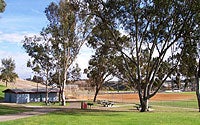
x: 29, y: 95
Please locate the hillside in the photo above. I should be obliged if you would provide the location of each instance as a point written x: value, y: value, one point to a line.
x: 22, y: 84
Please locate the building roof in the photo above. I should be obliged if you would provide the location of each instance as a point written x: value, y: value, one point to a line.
x: 23, y: 91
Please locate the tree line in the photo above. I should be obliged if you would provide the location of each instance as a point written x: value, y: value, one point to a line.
x: 141, y: 42
x: 132, y: 40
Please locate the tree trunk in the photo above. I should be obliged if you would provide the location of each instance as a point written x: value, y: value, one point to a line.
x: 198, y: 86
x: 96, y: 93
x: 46, y: 100
x: 63, y: 87
x: 185, y: 86
x: 60, y: 94
x: 47, y: 82
x: 198, y: 99
x: 63, y: 95
x: 198, y: 92
x: 144, y: 104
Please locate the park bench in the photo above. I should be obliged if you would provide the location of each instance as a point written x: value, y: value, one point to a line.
x: 106, y: 103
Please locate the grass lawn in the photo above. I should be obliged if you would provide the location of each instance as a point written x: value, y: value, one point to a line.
x: 92, y: 117
x: 164, y: 113
x: 183, y: 103
x: 44, y: 104
x: 11, y: 110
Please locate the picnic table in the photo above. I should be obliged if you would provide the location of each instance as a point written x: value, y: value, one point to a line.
x: 106, y: 103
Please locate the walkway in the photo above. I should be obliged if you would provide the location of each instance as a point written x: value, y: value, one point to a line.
x: 37, y: 110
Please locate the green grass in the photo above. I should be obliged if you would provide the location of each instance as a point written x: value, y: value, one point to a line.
x: 39, y: 104
x: 44, y: 104
x: 182, y: 104
x: 193, y: 93
x: 164, y: 113
x: 89, y: 117
x: 11, y: 110
x: 1, y: 93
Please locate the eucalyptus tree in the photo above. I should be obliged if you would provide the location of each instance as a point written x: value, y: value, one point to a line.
x: 153, y: 27
x: 99, y: 71
x: 42, y: 61
x: 67, y: 33
x: 7, y: 71
x: 102, y: 65
x: 188, y: 62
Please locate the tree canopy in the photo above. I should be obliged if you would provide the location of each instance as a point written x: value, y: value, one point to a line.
x: 153, y: 27
x: 7, y: 71
x: 99, y: 71
x: 62, y: 39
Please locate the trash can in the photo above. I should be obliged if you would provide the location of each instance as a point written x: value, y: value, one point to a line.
x: 83, y: 105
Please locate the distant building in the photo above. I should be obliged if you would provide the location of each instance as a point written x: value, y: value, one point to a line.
x: 31, y: 95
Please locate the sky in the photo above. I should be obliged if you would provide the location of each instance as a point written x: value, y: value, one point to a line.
x: 26, y: 18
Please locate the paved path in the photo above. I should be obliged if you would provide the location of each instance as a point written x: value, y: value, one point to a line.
x: 37, y: 110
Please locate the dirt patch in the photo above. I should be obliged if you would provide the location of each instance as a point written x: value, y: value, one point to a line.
x: 158, y: 97
x: 173, y: 96
x: 23, y: 84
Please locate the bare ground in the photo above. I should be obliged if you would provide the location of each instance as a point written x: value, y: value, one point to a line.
x: 22, y: 84
x: 133, y: 97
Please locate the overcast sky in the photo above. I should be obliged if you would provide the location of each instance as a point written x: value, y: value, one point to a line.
x: 25, y: 18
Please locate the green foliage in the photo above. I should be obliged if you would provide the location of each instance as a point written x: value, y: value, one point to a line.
x: 2, y: 88
x: 99, y: 71
x: 75, y: 73
x: 2, y: 6
x: 64, y: 38
x: 42, y: 61
x: 7, y: 71
x: 152, y: 28
x: 40, y: 50
x: 188, y: 61
x: 64, y: 35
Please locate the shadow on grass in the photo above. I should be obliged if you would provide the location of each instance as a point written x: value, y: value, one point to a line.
x: 87, y: 112
x: 12, y: 109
